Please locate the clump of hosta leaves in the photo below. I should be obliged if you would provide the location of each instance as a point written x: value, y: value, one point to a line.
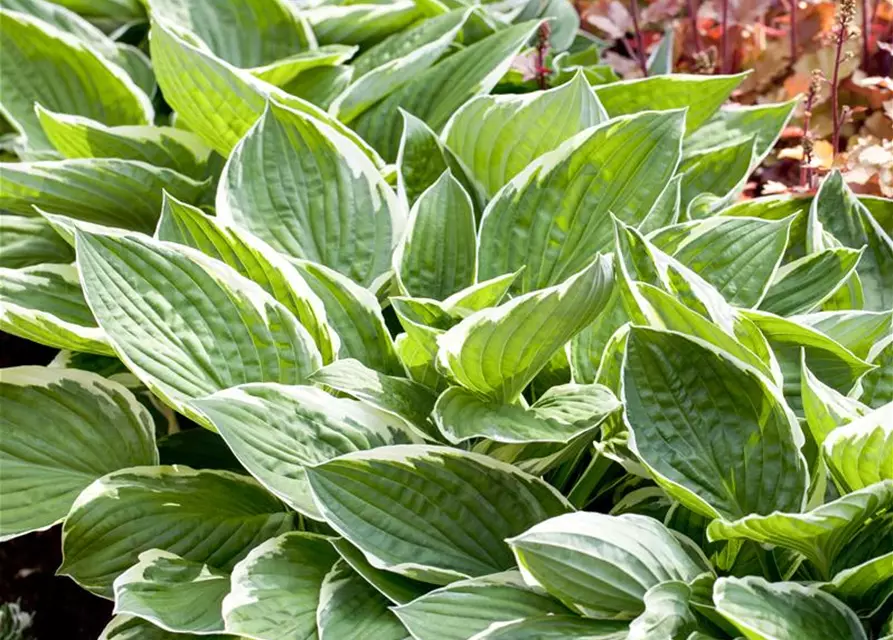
x: 361, y: 337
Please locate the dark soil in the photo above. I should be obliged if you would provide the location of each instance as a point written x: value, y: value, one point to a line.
x: 28, y: 564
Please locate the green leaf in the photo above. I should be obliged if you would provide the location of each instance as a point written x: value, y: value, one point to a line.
x: 352, y: 609
x: 498, y: 136
x: 866, y: 587
x: 784, y: 610
x: 78, y: 137
x: 175, y: 594
x: 43, y: 64
x: 354, y: 313
x: 559, y: 415
x: 735, y: 124
x: 720, y: 172
x: 123, y: 627
x: 667, y: 613
x: 462, y: 609
x: 738, y: 256
x: 229, y: 331
x: 253, y: 258
x: 857, y: 331
x: 63, y: 429
x: 860, y: 453
x: 26, y: 241
x: 716, y: 434
x: 497, y: 352
x: 440, y: 514
x: 702, y: 95
x: 284, y: 71
x: 558, y: 627
x: 824, y: 408
x: 45, y: 304
x: 276, y: 588
x: 325, y: 201
x: 395, y: 587
x: 803, y: 285
x: 211, y: 517
x: 821, y: 534
x: 877, y: 384
x: 433, y: 96
x: 587, y: 348
x: 837, y: 211
x: 660, y: 61
x: 602, y: 566
x: 277, y: 431
x: 555, y: 215
x: 436, y: 257
x: 666, y: 209
x: 359, y: 23
x: 107, y: 191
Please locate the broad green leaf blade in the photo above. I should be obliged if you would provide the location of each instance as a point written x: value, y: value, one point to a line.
x: 738, y: 256
x: 229, y: 330
x: 277, y: 431
x: 352, y: 609
x: 245, y: 34
x: 107, y: 191
x: 837, y: 211
x: 820, y: 534
x: 254, y: 259
x: 355, y: 315
x: 63, y: 429
x: 436, y: 257
x: 45, y: 304
x: 824, y: 408
x: 877, y: 384
x: 395, y: 587
x: 702, y: 95
x: 361, y: 23
x: 857, y: 331
x: 496, y: 352
x: 557, y: 627
x: 784, y: 611
x: 667, y: 613
x: 714, y: 177
x: 734, y: 446
x: 441, y: 514
x: 26, y: 241
x: 666, y: 209
x: 276, y: 588
x: 417, y: 354
x: 559, y: 415
x: 556, y: 214
x: 391, y: 394
x: 43, y: 64
x: 602, y: 566
x: 804, y: 284
x: 587, y: 348
x: 79, y: 137
x: 311, y: 193
x: 483, y: 295
x: 860, y: 453
x: 462, y: 609
x: 735, y: 124
x: 212, y: 517
x: 866, y: 587
x: 122, y: 627
x: 284, y: 71
x: 498, y: 136
x: 172, y: 593
x: 436, y: 94
x: 660, y: 61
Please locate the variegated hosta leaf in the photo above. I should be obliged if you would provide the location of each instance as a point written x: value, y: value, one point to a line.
x: 866, y: 587
x: 211, y: 517
x: 860, y: 453
x: 46, y: 65
x: 602, y: 566
x: 436, y: 257
x: 857, y: 331
x: 702, y: 95
x: 173, y: 593
x: 63, y: 429
x: 124, y: 627
x: 79, y: 137
x: 587, y: 348
x: 820, y: 534
x: 804, y: 284
x: 496, y: 352
x: 436, y: 36
x: 877, y: 384
x: 188, y: 325
x: 720, y: 173
x: 45, y: 304
x: 837, y: 211
x: 276, y: 431
x: 311, y: 193
x: 716, y: 435
x: 283, y: 73
x: 825, y: 408
x: 559, y: 415
x: 666, y: 209
x: 555, y: 627
x: 352, y: 609
x: 254, y: 259
x: 784, y: 611
x: 735, y: 124
x: 498, y: 136
x: 667, y: 613
x: 395, y: 587
x: 556, y: 214
x: 441, y: 514
x: 361, y: 23
x: 26, y: 241
x: 434, y: 95
x: 106, y: 191
x: 738, y: 256
x: 276, y: 588
x: 462, y: 609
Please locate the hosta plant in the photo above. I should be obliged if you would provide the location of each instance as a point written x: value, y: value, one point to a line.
x: 364, y: 334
